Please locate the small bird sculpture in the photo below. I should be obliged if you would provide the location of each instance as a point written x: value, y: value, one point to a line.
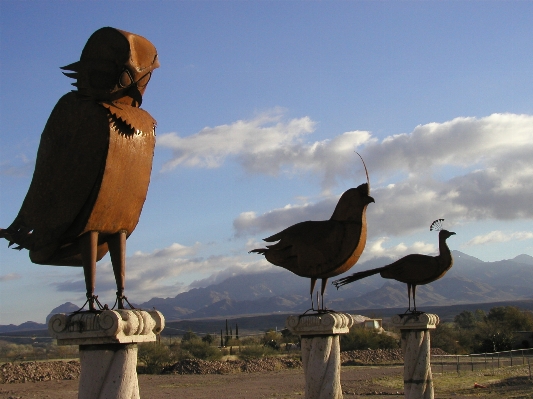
x: 414, y: 269
x: 94, y: 162
x: 323, y: 249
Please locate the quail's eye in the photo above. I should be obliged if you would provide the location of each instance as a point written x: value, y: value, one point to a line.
x: 125, y: 79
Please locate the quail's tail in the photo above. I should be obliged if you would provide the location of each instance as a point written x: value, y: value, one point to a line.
x: 356, y: 276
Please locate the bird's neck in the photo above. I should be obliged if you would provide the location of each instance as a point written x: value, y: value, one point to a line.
x: 445, y: 256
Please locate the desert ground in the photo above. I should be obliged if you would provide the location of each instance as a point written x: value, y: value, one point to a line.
x: 357, y: 382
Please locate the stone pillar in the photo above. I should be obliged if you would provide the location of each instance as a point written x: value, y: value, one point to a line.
x: 319, y: 333
x: 108, y: 348
x: 417, y: 379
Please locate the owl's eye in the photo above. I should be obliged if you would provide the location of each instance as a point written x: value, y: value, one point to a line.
x: 125, y: 79
x: 144, y: 80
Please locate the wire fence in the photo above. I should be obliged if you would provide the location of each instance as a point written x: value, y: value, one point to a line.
x: 482, y: 361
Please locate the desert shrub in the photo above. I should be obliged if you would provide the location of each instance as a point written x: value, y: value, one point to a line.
x: 209, y: 339
x: 360, y: 338
x: 256, y: 351
x: 154, y: 357
x: 447, y: 338
x: 201, y: 350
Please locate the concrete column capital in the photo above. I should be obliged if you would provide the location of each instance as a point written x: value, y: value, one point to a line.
x: 414, y: 321
x: 320, y: 324
x: 123, y: 326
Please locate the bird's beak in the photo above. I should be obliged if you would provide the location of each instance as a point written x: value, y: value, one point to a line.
x: 371, y: 199
x: 452, y: 233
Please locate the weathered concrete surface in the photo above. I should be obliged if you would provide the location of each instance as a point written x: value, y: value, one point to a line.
x: 418, y: 380
x: 321, y: 351
x: 108, y: 348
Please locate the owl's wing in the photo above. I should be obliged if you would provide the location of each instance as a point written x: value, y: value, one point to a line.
x: 68, y: 171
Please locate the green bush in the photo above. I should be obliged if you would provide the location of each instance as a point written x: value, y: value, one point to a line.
x: 154, y: 357
x: 201, y: 350
x: 360, y: 338
x: 255, y: 351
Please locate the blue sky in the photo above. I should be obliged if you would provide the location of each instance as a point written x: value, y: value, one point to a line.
x: 260, y: 107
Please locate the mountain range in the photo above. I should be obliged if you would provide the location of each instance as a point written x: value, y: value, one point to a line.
x: 470, y: 280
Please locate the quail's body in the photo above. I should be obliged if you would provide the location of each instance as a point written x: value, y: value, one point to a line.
x: 94, y: 162
x: 323, y: 249
x: 414, y: 269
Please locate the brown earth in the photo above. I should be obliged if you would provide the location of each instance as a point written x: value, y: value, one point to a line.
x: 262, y: 378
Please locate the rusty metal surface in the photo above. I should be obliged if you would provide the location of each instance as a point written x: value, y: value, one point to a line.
x: 94, y: 160
x: 413, y: 269
x: 327, y: 248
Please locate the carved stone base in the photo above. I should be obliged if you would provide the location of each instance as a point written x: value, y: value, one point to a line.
x: 418, y: 381
x: 108, y: 348
x: 321, y: 351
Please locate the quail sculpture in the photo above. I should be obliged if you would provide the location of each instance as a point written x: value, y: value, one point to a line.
x: 414, y: 269
x: 94, y: 162
x: 323, y: 249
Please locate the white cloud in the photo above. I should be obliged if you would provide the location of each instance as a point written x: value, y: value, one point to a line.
x: 10, y: 277
x: 21, y: 167
x: 498, y: 236
x: 267, y: 144
x: 376, y: 249
x: 466, y: 169
x: 161, y: 272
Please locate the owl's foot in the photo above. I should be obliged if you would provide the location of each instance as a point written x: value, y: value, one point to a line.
x: 119, y: 303
x: 92, y: 300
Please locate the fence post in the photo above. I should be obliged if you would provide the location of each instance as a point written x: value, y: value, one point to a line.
x: 511, y: 354
x: 472, y: 362
x: 498, y: 359
x: 457, y: 364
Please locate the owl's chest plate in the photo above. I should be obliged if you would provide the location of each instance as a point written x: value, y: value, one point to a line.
x: 124, y: 181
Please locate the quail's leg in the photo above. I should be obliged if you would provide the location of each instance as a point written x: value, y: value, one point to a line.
x: 117, y: 250
x: 313, y: 282
x: 88, y: 244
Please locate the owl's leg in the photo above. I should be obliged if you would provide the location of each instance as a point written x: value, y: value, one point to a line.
x: 117, y: 250
x: 409, y: 296
x: 88, y: 249
x: 414, y: 300
x: 313, y: 282
x: 324, y: 282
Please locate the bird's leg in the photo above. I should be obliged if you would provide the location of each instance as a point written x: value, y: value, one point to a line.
x: 117, y: 250
x: 414, y: 300
x: 88, y: 245
x: 313, y: 282
x: 409, y: 296
x: 324, y: 282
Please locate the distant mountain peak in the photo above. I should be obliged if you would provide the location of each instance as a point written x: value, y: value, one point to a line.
x: 526, y: 259
x: 461, y: 255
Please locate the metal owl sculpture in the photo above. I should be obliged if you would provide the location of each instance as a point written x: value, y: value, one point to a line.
x: 94, y: 162
x: 413, y: 269
x: 327, y: 248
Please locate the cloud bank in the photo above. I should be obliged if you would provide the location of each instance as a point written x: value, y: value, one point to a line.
x: 467, y: 169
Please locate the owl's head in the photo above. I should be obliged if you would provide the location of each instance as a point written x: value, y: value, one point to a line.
x: 115, y: 66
